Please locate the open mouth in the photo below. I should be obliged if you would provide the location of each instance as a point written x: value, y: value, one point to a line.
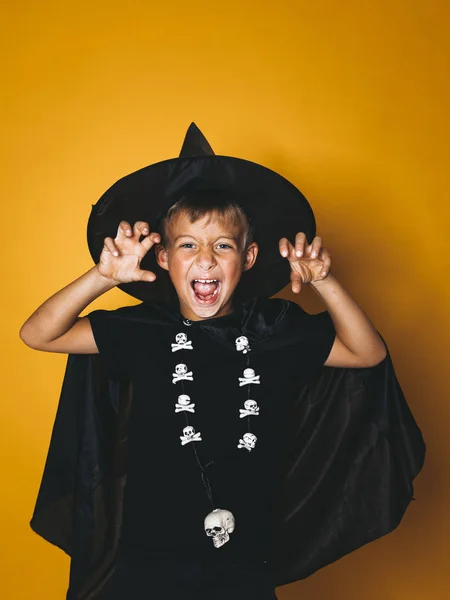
x: 205, y: 290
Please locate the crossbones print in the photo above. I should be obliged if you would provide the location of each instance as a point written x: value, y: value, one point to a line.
x: 189, y: 435
x: 182, y: 343
x: 181, y: 372
x: 250, y: 408
x: 184, y: 404
x: 248, y: 441
x: 249, y: 377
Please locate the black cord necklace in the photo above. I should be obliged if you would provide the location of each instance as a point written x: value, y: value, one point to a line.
x: 219, y: 523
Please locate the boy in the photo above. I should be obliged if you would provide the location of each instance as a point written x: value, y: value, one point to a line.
x: 214, y: 380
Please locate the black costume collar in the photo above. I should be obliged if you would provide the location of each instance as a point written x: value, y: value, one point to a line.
x: 170, y: 313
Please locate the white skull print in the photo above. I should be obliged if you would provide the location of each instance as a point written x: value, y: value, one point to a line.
x: 248, y: 441
x: 184, y: 404
x: 251, y: 408
x: 189, y: 435
x: 242, y: 344
x: 181, y: 372
x: 249, y: 377
x: 181, y: 343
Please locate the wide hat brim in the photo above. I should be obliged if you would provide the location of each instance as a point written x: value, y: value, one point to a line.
x: 275, y: 207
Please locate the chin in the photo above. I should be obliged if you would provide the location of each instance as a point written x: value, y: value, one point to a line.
x: 205, y: 313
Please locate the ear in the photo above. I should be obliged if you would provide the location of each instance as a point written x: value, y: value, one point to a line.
x: 161, y: 257
x: 250, y: 256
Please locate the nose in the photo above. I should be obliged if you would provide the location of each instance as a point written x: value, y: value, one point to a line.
x: 206, y: 260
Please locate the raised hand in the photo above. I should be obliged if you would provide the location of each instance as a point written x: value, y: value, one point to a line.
x: 310, y: 263
x: 121, y: 258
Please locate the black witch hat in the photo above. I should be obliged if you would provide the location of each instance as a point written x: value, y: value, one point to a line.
x: 275, y: 207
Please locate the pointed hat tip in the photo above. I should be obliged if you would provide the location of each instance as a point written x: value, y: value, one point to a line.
x: 195, y: 143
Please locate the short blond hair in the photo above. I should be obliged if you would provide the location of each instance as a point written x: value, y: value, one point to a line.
x: 213, y: 203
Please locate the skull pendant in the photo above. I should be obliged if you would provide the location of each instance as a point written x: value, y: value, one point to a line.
x: 218, y: 525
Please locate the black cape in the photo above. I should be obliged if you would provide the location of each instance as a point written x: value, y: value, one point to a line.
x: 342, y: 488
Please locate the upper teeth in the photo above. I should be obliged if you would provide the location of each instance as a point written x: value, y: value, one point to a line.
x: 206, y: 280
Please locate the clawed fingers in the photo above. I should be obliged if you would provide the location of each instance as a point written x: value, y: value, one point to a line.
x: 141, y: 228
x: 150, y: 240
x: 296, y: 282
x: 301, y: 248
x: 110, y: 246
x: 128, y: 252
x: 309, y: 262
x: 300, y: 243
x: 285, y: 247
x: 315, y: 247
x: 326, y: 257
x: 124, y: 230
x: 146, y: 275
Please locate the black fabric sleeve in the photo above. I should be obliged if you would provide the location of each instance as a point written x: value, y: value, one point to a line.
x: 320, y: 336
x: 312, y: 335
x: 113, y: 335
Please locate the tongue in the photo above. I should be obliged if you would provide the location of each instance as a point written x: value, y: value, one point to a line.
x: 204, y: 289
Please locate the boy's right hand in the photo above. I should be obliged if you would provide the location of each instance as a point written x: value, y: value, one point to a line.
x: 125, y: 266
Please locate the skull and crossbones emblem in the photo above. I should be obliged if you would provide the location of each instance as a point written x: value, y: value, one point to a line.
x: 181, y: 372
x: 189, y: 435
x: 249, y: 377
x: 250, y: 408
x: 242, y: 344
x: 184, y: 404
x: 248, y: 441
x: 182, y: 343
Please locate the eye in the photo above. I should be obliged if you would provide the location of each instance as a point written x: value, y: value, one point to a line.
x: 186, y: 244
x: 226, y: 245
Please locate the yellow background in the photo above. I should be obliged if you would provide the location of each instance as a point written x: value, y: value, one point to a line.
x: 349, y: 100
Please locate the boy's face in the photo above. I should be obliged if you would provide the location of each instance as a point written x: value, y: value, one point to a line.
x: 205, y: 263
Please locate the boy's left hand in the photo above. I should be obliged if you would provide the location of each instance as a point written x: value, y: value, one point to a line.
x: 310, y: 263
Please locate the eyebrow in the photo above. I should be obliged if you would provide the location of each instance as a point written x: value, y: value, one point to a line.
x: 225, y: 237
